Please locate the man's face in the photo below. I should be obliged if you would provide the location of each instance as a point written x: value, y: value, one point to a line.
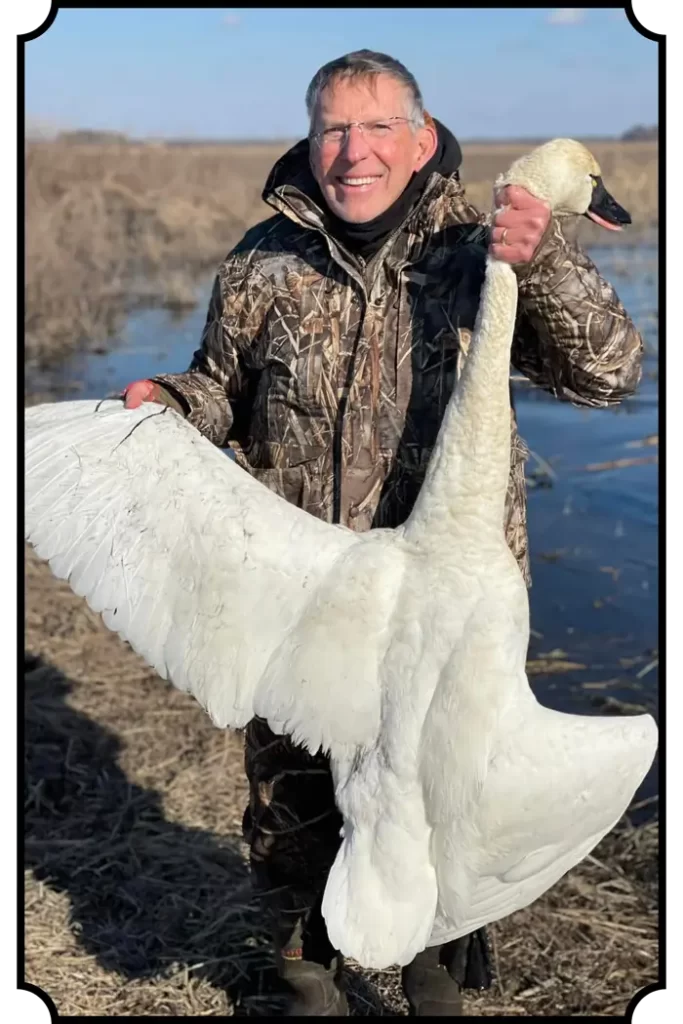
x: 363, y: 173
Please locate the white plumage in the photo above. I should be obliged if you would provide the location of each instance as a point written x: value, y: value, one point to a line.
x: 400, y: 652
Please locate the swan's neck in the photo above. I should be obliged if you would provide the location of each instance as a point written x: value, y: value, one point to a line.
x: 467, y: 476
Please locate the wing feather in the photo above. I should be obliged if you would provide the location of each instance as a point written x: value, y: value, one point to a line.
x: 207, y: 574
x: 550, y: 786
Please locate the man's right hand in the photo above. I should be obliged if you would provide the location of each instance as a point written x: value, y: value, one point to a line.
x: 148, y: 391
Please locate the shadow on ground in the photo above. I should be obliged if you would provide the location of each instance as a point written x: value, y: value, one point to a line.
x: 148, y: 896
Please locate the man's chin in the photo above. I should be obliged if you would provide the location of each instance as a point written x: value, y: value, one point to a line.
x: 355, y: 207
x: 354, y: 212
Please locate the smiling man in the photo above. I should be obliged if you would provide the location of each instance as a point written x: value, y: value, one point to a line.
x: 363, y: 166
x: 335, y: 334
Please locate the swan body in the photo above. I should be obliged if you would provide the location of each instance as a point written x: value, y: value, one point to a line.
x: 399, y: 652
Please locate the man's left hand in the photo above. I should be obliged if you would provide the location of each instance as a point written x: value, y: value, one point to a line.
x: 519, y: 227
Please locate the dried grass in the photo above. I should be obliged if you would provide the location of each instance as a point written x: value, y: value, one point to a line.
x: 137, y: 895
x: 113, y: 226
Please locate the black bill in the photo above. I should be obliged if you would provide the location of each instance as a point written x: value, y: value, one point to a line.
x: 605, y: 210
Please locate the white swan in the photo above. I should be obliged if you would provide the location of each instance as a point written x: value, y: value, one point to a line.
x: 401, y: 652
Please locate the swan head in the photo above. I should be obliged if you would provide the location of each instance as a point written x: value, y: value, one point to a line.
x: 566, y: 175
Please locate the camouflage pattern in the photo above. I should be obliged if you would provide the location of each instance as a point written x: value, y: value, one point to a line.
x: 292, y: 826
x: 329, y: 377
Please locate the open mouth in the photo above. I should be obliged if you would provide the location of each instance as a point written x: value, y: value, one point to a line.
x: 604, y: 209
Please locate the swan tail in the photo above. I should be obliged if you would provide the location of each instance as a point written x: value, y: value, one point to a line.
x: 379, y: 918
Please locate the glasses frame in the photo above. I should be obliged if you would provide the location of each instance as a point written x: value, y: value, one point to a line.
x: 319, y: 137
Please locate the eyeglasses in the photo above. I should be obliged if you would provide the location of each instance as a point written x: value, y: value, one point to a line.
x: 338, y: 133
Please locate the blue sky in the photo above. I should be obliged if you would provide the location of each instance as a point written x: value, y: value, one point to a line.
x: 243, y: 72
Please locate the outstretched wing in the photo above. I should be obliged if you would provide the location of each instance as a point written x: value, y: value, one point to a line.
x: 551, y: 797
x: 547, y: 788
x: 208, y: 575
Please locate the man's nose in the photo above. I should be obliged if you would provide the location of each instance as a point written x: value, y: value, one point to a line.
x: 355, y: 144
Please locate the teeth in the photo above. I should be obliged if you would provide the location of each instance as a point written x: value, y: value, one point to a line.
x: 358, y: 181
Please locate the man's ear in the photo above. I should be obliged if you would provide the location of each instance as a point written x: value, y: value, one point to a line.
x: 428, y: 141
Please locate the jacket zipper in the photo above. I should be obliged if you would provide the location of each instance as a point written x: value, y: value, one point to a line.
x: 350, y: 268
x: 338, y: 437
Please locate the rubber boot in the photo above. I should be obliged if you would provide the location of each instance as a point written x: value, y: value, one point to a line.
x: 310, y: 966
x: 316, y: 990
x: 429, y: 988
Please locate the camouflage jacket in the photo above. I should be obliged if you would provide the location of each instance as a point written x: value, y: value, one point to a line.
x: 329, y: 376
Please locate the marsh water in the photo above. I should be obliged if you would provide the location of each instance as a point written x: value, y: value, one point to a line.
x: 593, y: 501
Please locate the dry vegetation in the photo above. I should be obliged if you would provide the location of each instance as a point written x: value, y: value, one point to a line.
x: 137, y: 896
x: 110, y: 226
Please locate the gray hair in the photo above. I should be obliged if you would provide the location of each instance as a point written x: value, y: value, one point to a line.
x: 359, y: 64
